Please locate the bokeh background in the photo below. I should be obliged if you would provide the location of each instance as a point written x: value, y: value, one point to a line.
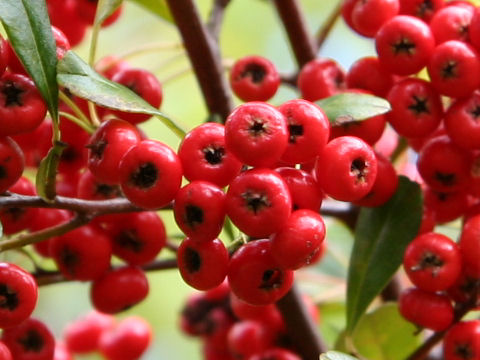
x: 250, y: 27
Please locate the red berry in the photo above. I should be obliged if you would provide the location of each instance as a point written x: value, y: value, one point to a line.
x: 446, y: 206
x: 5, y: 353
x: 202, y: 264
x: 11, y: 163
x: 119, y: 289
x: 248, y: 337
x: 255, y: 277
x: 61, y: 352
x: 256, y: 133
x: 346, y: 169
x: 63, y: 14
x: 4, y: 54
x: 199, y: 210
x: 90, y: 188
x: 368, y: 16
x: 254, y: 78
x: 258, y: 202
x: 320, y: 78
x: 461, y: 341
x: 470, y: 246
x: 150, y: 174
x: 46, y: 218
x: 404, y: 45
x: 31, y: 340
x: 461, y: 122
x: 368, y: 74
x: 275, y: 354
x: 18, y: 295
x: 451, y: 23
x: 204, y: 156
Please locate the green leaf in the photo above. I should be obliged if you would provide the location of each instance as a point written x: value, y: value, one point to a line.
x: 335, y: 355
x: 349, y: 107
x: 381, y: 236
x: 105, y: 9
x: 81, y: 80
x: 157, y: 7
x: 28, y: 28
x: 332, y: 322
x: 47, y: 172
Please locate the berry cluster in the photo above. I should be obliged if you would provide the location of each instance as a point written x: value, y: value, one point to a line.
x: 233, y: 329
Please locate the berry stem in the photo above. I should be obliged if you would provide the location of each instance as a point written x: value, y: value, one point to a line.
x: 302, y: 43
x: 301, y: 328
x: 85, y: 126
x: 71, y: 104
x: 147, y: 49
x: 54, y: 277
x: 214, y: 23
x: 327, y: 26
x: 204, y: 55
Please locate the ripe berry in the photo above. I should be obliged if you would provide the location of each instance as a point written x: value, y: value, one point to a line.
x: 61, y: 352
x: 31, y: 340
x: 90, y: 188
x: 368, y: 74
x: 423, y: 9
x: 136, y: 238
x: 426, y: 309
x: 202, y: 264
x: 404, y: 45
x: 368, y: 16
x: 451, y: 23
x: 454, y: 69
x: 248, y: 337
x: 470, y: 246
x: 308, y: 130
x: 11, y: 163
x: 150, y: 174
x: 275, y: 354
x: 119, y: 289
x: 461, y: 121
x: 5, y: 353
x: 256, y: 133
x: 199, y: 210
x: 204, y: 156
x: 416, y: 108
x: 47, y: 218
x: 22, y: 107
x: 18, y: 295
x: 461, y: 341
x: 446, y: 206
x: 258, y: 202
x: 145, y: 85
x: 63, y: 14
x: 82, y: 254
x: 63, y: 45
x: 107, y: 147
x: 255, y: 277
x: 299, y: 240
x: 254, y: 78
x: 346, y: 169
x: 432, y: 262
x: 320, y: 78
x: 3, y: 55
x: 128, y: 340
x: 86, y: 10
x: 74, y: 156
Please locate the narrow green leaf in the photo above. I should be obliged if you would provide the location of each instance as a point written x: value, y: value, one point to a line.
x: 349, y: 107
x: 28, y: 28
x: 81, y: 80
x: 105, y: 9
x: 335, y: 355
x: 157, y: 7
x: 381, y: 236
x: 47, y: 172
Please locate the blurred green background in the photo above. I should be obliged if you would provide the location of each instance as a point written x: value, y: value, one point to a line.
x: 250, y: 27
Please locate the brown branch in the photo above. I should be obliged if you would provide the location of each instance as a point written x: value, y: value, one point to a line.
x: 302, y: 43
x: 346, y: 213
x: 214, y: 23
x: 392, y: 290
x: 204, y: 56
x: 54, y: 277
x: 327, y: 26
x: 301, y: 329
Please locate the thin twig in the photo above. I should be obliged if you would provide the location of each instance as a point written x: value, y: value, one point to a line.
x: 327, y: 26
x: 214, y: 23
x: 54, y: 277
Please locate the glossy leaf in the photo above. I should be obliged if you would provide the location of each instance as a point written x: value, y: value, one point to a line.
x: 28, y: 28
x: 348, y: 107
x: 332, y: 322
x: 105, y: 9
x: 335, y: 355
x: 81, y: 80
x: 381, y: 236
x: 47, y: 171
x: 157, y: 7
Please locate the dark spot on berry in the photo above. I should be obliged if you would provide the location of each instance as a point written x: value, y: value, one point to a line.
x: 214, y: 155
x: 271, y: 279
x: 294, y: 131
x: 255, y: 201
x: 69, y: 259
x: 193, y: 261
x: 424, y: 7
x: 446, y: 179
x: 107, y: 191
x: 419, y: 106
x: 8, y: 298
x: 15, y: 213
x: 358, y: 168
x: 13, y: 94
x: 69, y: 154
x: 464, y: 351
x: 475, y: 112
x: 32, y: 341
x: 255, y: 71
x: 193, y: 215
x: 442, y: 196
x: 3, y: 172
x: 339, y: 80
x: 403, y: 46
x: 449, y: 70
x: 129, y: 240
x: 144, y: 176
x: 257, y: 127
x: 429, y: 261
x: 97, y: 148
